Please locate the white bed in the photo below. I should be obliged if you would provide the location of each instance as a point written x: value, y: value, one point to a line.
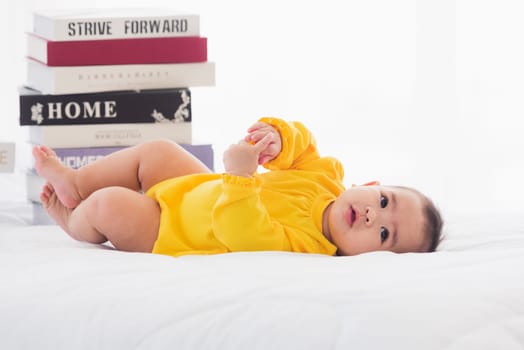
x: 57, y: 293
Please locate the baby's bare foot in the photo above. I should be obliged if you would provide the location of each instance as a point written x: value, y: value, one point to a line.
x: 54, y: 207
x: 58, y: 175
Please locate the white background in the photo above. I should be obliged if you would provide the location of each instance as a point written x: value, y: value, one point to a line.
x: 420, y: 93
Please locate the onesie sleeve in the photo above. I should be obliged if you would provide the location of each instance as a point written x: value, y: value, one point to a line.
x: 299, y: 150
x: 298, y: 145
x: 241, y: 221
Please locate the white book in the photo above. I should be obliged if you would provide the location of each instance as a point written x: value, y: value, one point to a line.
x: 121, y: 23
x: 103, y: 135
x: 7, y: 157
x: 40, y: 215
x: 87, y: 79
x: 34, y: 184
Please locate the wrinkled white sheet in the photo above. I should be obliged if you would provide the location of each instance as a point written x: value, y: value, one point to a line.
x: 57, y: 293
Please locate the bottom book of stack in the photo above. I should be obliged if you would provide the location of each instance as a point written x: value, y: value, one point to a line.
x: 78, y: 157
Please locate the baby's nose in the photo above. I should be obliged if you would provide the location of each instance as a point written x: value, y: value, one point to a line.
x: 371, y: 215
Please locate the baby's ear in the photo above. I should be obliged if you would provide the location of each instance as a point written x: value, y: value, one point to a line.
x: 371, y: 183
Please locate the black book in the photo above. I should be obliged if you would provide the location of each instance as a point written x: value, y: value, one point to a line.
x: 145, y: 106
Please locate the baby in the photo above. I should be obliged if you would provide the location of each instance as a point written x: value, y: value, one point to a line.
x: 157, y: 197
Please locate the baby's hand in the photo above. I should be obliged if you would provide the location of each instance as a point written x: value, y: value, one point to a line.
x: 241, y: 159
x: 257, y: 132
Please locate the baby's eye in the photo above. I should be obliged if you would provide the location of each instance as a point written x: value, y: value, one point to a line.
x: 383, y: 201
x: 384, y: 234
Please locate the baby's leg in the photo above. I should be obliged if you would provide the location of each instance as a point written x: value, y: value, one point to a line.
x: 129, y: 220
x: 138, y: 168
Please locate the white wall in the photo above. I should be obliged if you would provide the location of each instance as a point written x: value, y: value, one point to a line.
x: 422, y: 93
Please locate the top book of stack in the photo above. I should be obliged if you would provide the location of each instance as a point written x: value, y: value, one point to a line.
x: 85, y: 51
x: 114, y: 24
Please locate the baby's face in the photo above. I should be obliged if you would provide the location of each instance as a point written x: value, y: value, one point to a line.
x: 370, y: 218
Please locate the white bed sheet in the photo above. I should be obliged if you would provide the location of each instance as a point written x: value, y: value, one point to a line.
x: 57, y: 293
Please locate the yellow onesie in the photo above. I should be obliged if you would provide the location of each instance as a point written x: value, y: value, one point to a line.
x: 276, y: 210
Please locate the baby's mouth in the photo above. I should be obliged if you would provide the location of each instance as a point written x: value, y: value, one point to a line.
x: 351, y: 216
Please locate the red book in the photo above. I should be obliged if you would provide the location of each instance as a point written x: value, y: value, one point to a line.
x: 189, y: 49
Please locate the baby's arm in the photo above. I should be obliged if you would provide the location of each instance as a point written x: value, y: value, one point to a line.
x: 240, y: 219
x: 242, y: 158
x: 257, y: 132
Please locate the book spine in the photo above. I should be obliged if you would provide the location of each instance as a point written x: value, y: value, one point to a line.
x: 107, y: 135
x: 203, y: 152
x: 118, y: 51
x: 80, y: 156
x: 87, y: 79
x: 146, y: 106
x: 116, y: 28
x: 7, y: 157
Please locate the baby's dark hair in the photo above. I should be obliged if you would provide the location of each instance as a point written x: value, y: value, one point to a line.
x: 433, y: 224
x: 433, y: 221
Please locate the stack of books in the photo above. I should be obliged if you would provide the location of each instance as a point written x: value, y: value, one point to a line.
x: 101, y: 80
